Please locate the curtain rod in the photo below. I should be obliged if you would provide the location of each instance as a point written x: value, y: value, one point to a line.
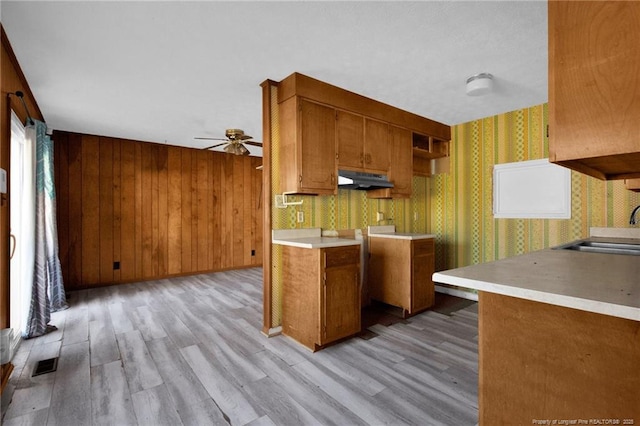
x: 19, y: 94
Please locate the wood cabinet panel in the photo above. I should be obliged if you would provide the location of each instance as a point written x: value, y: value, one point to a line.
x: 308, y: 147
x: 157, y: 210
x: 423, y: 290
x: 400, y: 272
x: 317, y: 147
x: 321, y: 294
x: 377, y: 146
x: 350, y: 140
x: 540, y: 361
x: 341, y: 300
x: 400, y: 170
x: 594, y: 58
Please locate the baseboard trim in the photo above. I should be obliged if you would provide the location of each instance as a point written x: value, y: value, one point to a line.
x: 456, y: 292
x: 274, y: 331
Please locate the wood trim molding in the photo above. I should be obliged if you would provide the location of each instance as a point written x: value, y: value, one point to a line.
x: 301, y: 85
x: 267, y: 88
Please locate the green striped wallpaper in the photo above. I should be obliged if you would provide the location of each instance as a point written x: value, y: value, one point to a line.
x: 461, y: 201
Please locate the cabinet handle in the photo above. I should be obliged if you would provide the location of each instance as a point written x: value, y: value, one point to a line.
x: 300, y: 178
x: 367, y: 158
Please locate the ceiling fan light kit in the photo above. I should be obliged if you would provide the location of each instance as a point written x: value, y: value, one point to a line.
x: 479, y: 84
x: 236, y: 148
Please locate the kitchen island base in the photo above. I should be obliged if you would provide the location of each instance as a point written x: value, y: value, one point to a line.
x: 542, y: 362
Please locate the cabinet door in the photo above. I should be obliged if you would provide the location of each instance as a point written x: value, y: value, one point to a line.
x: 376, y: 146
x: 317, y: 148
x: 594, y: 97
x: 350, y: 140
x: 422, y: 291
x: 341, y: 293
x: 401, y: 168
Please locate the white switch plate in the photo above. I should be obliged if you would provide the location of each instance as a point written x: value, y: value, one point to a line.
x: 3, y: 181
x: 379, y: 216
x: 279, y: 201
x: 300, y: 217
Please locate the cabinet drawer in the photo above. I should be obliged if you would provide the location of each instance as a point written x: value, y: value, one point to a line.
x: 338, y: 256
x: 423, y: 247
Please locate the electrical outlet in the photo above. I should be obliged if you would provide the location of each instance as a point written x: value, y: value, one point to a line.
x: 415, y: 215
x: 379, y: 216
x: 300, y: 217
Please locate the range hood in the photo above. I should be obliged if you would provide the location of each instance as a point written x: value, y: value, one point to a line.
x: 363, y: 181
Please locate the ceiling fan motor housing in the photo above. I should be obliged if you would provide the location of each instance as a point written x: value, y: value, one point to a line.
x: 236, y: 134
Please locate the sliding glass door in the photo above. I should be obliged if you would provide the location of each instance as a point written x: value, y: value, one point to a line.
x: 22, y: 226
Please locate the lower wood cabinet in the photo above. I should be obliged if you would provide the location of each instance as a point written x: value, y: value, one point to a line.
x: 400, y: 272
x: 321, y: 294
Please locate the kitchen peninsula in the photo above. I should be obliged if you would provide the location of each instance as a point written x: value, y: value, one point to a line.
x: 559, y: 336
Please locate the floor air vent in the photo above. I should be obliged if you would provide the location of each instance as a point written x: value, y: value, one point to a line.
x: 46, y: 366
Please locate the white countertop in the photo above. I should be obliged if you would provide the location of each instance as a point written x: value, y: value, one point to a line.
x: 607, y: 284
x: 309, y: 238
x: 389, y: 231
x: 403, y: 236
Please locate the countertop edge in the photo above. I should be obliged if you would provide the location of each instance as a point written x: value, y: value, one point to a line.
x: 320, y: 242
x: 599, y: 307
x: 401, y: 236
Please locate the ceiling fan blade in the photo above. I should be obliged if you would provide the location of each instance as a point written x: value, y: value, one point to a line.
x: 214, y: 146
x: 212, y: 139
x: 254, y: 143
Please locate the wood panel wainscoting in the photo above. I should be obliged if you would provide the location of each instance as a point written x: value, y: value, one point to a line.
x: 131, y: 211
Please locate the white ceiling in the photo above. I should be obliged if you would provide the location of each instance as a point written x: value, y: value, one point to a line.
x: 170, y: 71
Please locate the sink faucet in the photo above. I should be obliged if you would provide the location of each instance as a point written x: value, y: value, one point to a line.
x: 632, y: 220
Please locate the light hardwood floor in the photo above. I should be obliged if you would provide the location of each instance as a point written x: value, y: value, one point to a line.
x: 189, y: 351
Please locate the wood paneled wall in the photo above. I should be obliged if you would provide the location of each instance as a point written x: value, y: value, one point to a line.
x: 158, y: 210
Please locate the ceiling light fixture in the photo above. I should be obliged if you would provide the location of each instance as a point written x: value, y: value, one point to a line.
x: 479, y: 84
x: 236, y: 148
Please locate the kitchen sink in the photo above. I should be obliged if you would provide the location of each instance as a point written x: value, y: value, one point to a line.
x: 606, y: 247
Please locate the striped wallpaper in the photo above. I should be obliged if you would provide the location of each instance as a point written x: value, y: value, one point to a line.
x: 457, y: 206
x: 461, y: 201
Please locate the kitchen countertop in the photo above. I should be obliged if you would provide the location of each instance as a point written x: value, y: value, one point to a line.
x: 403, y: 236
x: 389, y: 231
x: 309, y: 238
x: 607, y: 284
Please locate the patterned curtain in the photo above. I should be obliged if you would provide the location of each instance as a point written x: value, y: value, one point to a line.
x: 48, y: 293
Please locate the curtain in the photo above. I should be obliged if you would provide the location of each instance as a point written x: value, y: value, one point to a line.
x: 48, y: 293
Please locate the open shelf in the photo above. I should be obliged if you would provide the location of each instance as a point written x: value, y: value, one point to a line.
x: 429, y: 147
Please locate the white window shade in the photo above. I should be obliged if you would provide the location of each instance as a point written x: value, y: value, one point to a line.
x: 533, y: 189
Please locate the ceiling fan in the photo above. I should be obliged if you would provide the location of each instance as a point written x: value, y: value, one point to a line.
x: 235, y: 141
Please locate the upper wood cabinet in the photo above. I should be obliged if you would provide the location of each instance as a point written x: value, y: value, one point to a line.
x: 324, y: 128
x: 594, y: 87
x: 362, y: 143
x: 307, y: 147
x: 376, y: 146
x: 350, y: 140
x: 400, y: 167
